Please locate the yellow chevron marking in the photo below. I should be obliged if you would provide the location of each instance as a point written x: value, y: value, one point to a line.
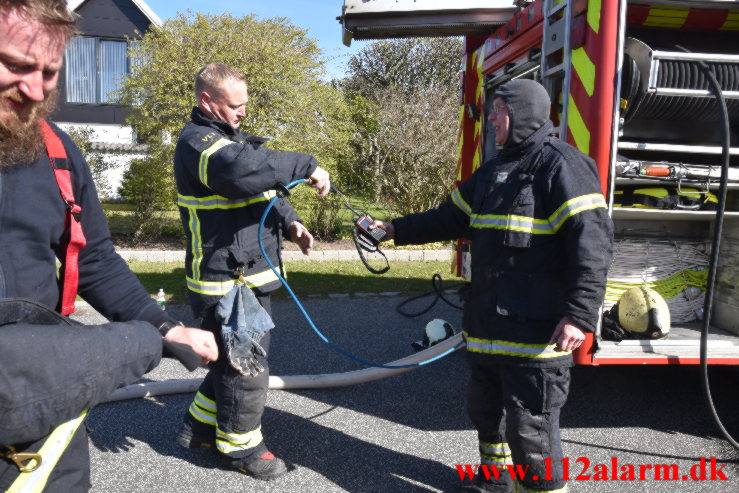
x: 585, y: 69
x: 577, y: 126
x: 594, y: 7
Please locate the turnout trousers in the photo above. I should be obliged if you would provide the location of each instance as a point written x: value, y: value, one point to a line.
x: 516, y: 410
x: 228, y: 407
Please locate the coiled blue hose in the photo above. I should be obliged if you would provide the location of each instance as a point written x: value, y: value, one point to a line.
x: 325, y: 339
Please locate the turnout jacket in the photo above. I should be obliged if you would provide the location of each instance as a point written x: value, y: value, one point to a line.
x: 51, y: 368
x: 225, y: 180
x: 541, y: 247
x: 31, y: 232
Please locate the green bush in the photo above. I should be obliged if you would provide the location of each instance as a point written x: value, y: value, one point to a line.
x: 320, y: 215
x: 148, y: 187
x: 99, y: 167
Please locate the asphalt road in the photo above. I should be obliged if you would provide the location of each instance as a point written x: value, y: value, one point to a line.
x: 407, y: 432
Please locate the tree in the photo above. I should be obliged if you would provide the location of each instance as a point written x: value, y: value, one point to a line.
x: 406, y: 64
x: 288, y: 100
x: 405, y: 109
x: 409, y: 156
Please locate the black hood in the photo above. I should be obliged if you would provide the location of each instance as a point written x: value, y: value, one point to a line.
x: 528, y: 108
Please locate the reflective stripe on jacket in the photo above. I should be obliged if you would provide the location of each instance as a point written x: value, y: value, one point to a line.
x: 541, y: 247
x: 225, y: 180
x: 50, y: 452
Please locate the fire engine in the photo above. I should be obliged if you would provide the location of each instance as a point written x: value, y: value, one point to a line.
x: 630, y: 86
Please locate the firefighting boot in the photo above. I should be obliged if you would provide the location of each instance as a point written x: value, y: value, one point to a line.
x: 191, y: 436
x: 266, y: 467
x: 481, y: 485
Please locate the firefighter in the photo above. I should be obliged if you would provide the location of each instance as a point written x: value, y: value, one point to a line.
x: 44, y: 398
x: 49, y: 209
x: 224, y: 177
x: 541, y: 246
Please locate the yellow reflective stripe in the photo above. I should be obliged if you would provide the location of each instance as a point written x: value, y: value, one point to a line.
x: 203, y: 415
x: 667, y: 16
x: 204, y: 402
x: 594, y: 7
x: 460, y: 202
x: 196, y: 242
x: 530, y: 225
x: 236, y: 442
x: 218, y: 202
x: 495, y: 448
x: 576, y: 206
x: 51, y: 451
x: 511, y: 222
x: 212, y: 288
x: 585, y: 69
x: 732, y: 21
x: 205, y: 156
x: 508, y: 348
x: 494, y: 460
x: 520, y: 488
x: 495, y: 453
x: 219, y: 288
x: 577, y: 126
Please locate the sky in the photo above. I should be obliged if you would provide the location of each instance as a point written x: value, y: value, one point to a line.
x: 318, y: 16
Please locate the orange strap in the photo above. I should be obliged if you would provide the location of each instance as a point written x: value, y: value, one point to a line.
x: 75, y: 240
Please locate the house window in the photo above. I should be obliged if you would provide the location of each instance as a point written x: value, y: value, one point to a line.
x: 95, y: 70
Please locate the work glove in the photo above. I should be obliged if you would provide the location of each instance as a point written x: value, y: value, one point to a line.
x: 243, y: 324
x: 611, y: 330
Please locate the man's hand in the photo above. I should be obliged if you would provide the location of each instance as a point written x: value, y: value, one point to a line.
x: 320, y: 180
x: 387, y: 227
x: 300, y: 235
x: 201, y: 341
x: 568, y: 336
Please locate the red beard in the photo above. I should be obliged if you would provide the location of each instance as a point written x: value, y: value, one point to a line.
x: 20, y: 132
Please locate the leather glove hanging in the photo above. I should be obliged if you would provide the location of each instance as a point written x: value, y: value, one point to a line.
x: 243, y: 324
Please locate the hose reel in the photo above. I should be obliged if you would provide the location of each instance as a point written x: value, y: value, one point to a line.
x: 662, y: 85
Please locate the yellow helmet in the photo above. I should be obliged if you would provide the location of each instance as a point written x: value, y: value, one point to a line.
x: 643, y: 312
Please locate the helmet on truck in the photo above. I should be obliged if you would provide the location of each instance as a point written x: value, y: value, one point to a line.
x: 643, y: 312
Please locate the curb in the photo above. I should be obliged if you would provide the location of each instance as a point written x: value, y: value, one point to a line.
x: 294, y: 255
x: 81, y: 307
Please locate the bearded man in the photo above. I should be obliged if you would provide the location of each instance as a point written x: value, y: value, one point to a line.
x: 52, y: 370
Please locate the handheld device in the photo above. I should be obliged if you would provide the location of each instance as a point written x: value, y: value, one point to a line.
x: 366, y: 238
x: 364, y: 228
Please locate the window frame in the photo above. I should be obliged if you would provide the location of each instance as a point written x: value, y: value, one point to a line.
x: 98, y: 79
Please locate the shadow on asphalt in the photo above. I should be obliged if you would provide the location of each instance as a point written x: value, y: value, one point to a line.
x: 430, y: 399
x: 337, y: 456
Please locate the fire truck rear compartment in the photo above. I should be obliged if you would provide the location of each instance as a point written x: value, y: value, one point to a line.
x: 664, y: 120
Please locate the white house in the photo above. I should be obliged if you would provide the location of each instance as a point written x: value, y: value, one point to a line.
x: 95, y: 63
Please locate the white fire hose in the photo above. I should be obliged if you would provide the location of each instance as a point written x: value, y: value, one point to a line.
x: 291, y: 382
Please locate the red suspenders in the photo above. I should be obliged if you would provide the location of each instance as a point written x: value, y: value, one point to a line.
x: 69, y: 273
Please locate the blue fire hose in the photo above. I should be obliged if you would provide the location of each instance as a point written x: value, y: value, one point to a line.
x: 325, y: 339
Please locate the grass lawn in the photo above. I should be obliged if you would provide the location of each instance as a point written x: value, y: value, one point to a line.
x: 120, y: 221
x: 306, y: 278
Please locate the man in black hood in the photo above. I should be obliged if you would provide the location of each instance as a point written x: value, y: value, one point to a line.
x: 541, y: 246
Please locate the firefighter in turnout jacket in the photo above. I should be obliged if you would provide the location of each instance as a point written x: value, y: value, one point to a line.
x: 225, y: 179
x: 541, y: 246
x: 52, y: 370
